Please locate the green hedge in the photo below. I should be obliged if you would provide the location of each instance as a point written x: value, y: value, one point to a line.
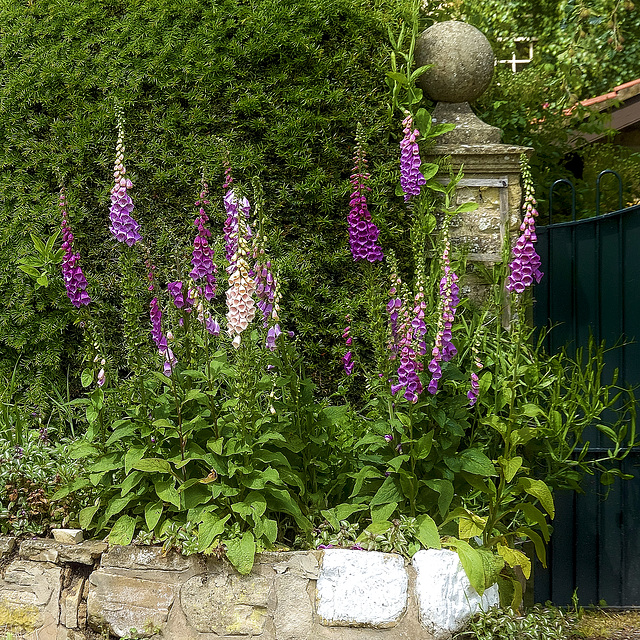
x: 280, y: 84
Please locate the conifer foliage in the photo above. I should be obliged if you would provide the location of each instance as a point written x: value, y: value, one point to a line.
x: 280, y: 83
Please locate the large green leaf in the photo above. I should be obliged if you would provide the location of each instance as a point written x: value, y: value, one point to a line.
x: 122, y: 531
x: 241, y: 552
x: 210, y: 528
x: 515, y: 558
x: 86, y: 516
x: 152, y: 465
x: 383, y: 511
x: 166, y: 491
x: 281, y: 500
x: 445, y: 490
x: 152, y: 513
x: 538, y: 489
x: 388, y: 492
x: 428, y: 532
x: 535, y: 515
x: 472, y: 564
x: 510, y: 466
x: 476, y: 462
x: 116, y: 505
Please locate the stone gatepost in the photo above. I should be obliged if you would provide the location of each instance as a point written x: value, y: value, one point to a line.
x: 463, y: 64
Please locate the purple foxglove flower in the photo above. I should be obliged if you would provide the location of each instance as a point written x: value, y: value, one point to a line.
x: 235, y: 207
x: 272, y: 335
x: 159, y: 338
x: 410, y: 177
x: 202, y: 256
x: 212, y: 326
x: 348, y: 363
x: 74, y: 279
x: 404, y: 332
x: 123, y: 227
x: 176, y: 291
x: 444, y: 349
x: 525, y: 267
x: 363, y: 233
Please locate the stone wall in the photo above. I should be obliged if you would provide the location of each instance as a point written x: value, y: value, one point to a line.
x: 55, y: 591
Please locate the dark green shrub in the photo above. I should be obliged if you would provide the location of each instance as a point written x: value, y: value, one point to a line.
x: 278, y: 84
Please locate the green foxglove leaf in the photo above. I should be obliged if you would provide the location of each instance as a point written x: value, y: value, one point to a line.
x: 534, y: 514
x: 210, y: 528
x: 514, y: 558
x: 388, y: 492
x: 132, y: 456
x: 115, y: 506
x: 166, y: 491
x: 445, y: 490
x: 122, y: 531
x: 152, y: 465
x: 86, y: 378
x: 470, y: 526
x: 270, y: 529
x: 538, y: 489
x: 538, y: 543
x: 241, y: 552
x: 130, y: 482
x: 472, y: 564
x: 428, y: 532
x: 383, y: 512
x: 476, y: 462
x: 510, y: 467
x: 152, y: 513
x: 364, y: 474
x: 281, y: 500
x: 86, y: 516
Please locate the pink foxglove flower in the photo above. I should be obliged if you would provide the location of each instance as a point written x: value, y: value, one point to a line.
x: 443, y: 348
x: 363, y: 233
x: 74, y: 279
x: 123, y: 227
x: 410, y: 177
x: 240, y: 304
x: 402, y: 344
x: 525, y: 267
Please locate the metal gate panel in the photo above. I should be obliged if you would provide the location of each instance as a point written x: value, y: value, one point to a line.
x: 592, y: 287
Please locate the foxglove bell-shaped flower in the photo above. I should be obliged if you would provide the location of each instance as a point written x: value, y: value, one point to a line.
x: 363, y: 233
x: 410, y: 177
x: 402, y: 344
x: 177, y: 292
x: 236, y: 208
x: 202, y: 256
x: 240, y: 305
x: 123, y: 227
x: 525, y: 267
x: 159, y: 338
x: 443, y: 348
x: 74, y: 279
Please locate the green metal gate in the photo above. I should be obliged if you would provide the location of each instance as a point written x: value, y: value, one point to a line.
x: 592, y: 287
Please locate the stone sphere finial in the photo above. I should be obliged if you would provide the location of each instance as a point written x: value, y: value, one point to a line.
x: 462, y: 60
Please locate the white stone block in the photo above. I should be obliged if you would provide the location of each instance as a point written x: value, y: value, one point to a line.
x: 361, y: 588
x: 68, y: 536
x: 446, y: 598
